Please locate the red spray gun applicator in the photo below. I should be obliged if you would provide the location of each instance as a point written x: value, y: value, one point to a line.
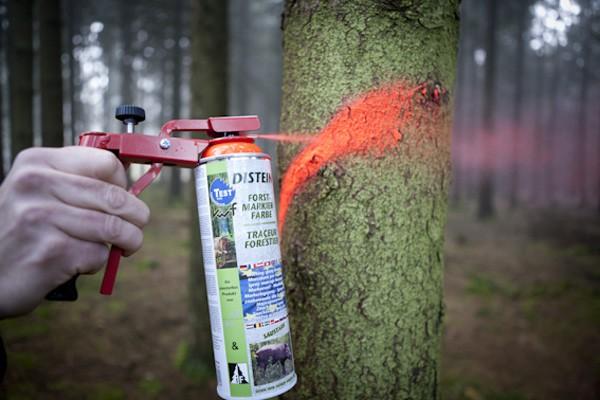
x: 157, y: 151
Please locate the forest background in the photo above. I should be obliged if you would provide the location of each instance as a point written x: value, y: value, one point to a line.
x: 522, y: 250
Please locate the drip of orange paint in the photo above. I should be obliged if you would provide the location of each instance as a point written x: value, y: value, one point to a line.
x: 371, y: 123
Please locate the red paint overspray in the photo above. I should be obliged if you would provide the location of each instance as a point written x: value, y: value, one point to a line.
x: 371, y: 123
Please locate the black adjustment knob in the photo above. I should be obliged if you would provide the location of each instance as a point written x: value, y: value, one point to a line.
x: 130, y: 114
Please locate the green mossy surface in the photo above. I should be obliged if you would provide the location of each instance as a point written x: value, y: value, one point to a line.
x: 363, y: 239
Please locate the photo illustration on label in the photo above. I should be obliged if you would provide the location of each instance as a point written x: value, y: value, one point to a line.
x: 271, y: 360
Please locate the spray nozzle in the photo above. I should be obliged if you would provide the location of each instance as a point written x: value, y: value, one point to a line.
x: 215, y: 127
x: 232, y: 126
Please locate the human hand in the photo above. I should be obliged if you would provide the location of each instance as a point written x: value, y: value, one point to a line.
x: 59, y: 209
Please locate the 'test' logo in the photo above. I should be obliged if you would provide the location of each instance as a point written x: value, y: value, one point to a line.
x: 221, y: 193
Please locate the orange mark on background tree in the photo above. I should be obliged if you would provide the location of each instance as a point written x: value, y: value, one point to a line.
x: 369, y: 124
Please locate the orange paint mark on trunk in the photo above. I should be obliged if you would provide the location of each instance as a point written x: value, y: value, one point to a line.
x: 371, y: 123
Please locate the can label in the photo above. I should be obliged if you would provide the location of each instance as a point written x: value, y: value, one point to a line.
x: 244, y: 279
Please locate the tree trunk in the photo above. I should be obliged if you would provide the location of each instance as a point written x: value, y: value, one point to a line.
x: 486, y: 185
x: 363, y: 206
x: 550, y: 155
x: 255, y: 65
x: 3, y: 43
x: 581, y: 126
x: 538, y: 129
x: 48, y: 12
x: 517, y: 130
x: 128, y: 88
x: 70, y: 15
x: 20, y: 61
x: 476, y: 15
x: 175, y: 182
x: 109, y: 40
x: 209, y: 98
x: 464, y: 76
x: 240, y: 24
x: 1, y: 113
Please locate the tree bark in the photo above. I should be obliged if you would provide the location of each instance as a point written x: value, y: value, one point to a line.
x: 20, y: 64
x: 209, y: 98
x: 486, y: 185
x: 362, y: 239
x: 48, y: 12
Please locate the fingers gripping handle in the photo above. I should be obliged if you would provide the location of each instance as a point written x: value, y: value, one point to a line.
x: 114, y: 258
x: 68, y: 290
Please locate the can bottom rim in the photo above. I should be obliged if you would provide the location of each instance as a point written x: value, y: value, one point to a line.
x: 262, y: 396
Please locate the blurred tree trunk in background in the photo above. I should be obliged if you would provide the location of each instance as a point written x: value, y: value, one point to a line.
x: 523, y: 15
x: 110, y: 42
x: 164, y: 73
x: 20, y: 66
x: 1, y: 114
x: 69, y: 13
x: 75, y: 86
x: 538, y: 129
x: 476, y: 16
x: 175, y: 181
x: 461, y: 108
x: 209, y: 98
x: 486, y: 185
x: 239, y: 37
x: 362, y: 242
x: 127, y: 84
x: 48, y: 12
x: 550, y: 157
x: 3, y: 43
x: 581, y: 124
x: 255, y: 65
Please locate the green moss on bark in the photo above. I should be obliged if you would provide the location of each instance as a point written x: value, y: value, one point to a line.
x: 363, y: 240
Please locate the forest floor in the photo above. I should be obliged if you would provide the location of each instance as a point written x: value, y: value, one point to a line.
x: 522, y: 316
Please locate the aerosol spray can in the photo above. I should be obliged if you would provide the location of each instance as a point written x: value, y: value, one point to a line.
x: 244, y: 280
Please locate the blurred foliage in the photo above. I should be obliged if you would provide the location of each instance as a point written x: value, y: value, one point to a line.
x: 150, y: 387
x: 194, y: 370
x: 455, y: 388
